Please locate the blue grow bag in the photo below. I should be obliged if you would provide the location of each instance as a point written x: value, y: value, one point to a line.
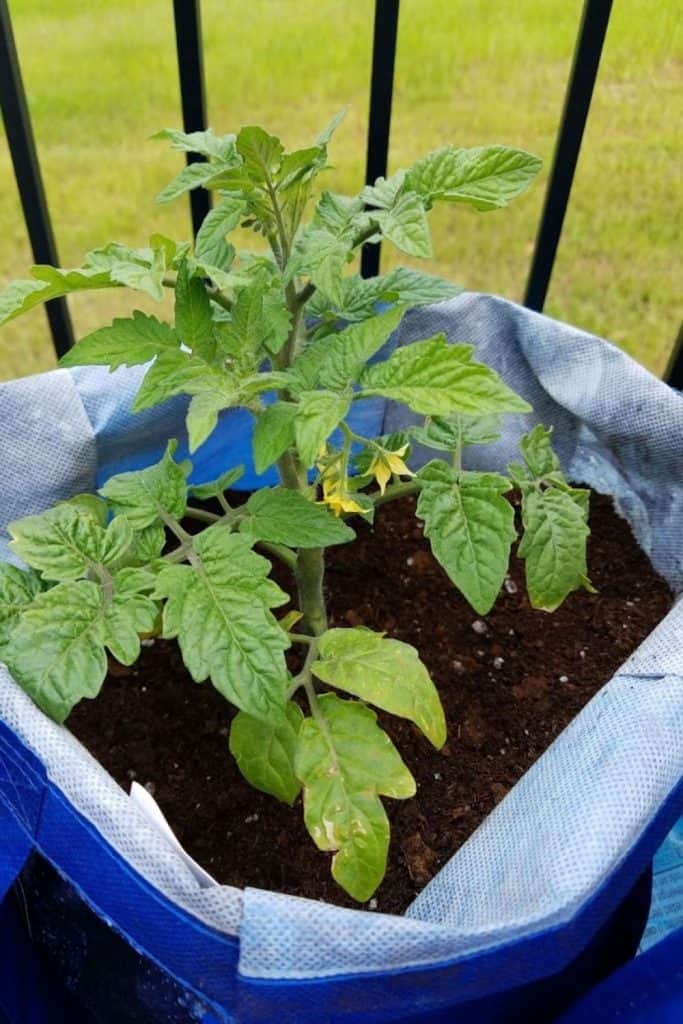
x: 91, y: 931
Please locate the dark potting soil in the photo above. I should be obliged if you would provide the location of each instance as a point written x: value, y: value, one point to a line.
x: 509, y: 683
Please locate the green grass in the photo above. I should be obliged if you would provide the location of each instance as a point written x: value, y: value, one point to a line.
x: 101, y: 78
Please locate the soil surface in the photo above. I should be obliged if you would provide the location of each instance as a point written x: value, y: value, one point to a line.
x: 509, y: 683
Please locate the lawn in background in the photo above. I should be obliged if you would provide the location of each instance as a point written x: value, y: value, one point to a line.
x: 101, y: 78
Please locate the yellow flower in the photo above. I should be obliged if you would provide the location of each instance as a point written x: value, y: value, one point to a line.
x: 339, y: 500
x: 387, y: 463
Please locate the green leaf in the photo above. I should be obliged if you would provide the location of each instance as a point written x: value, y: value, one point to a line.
x: 191, y: 177
x: 248, y: 328
x: 210, y: 244
x: 344, y: 360
x: 148, y: 543
x: 435, y: 378
x: 56, y: 651
x: 265, y: 751
x: 345, y: 764
x: 538, y: 454
x: 323, y: 257
x: 273, y: 434
x: 470, y: 527
x: 220, y: 147
x: 283, y: 516
x: 318, y: 414
x: 134, y: 580
x: 384, y: 193
x: 18, y: 588
x: 386, y: 673
x: 173, y: 251
x: 128, y: 614
x: 261, y: 152
x: 304, y: 373
x: 91, y: 504
x: 403, y: 285
x: 223, y: 279
x: 143, y: 274
x: 277, y: 320
x: 405, y: 224
x: 215, y: 487
x: 553, y: 546
x: 452, y: 433
x: 331, y: 127
x: 480, y: 429
x: 202, y: 416
x: 338, y: 215
x: 219, y: 608
x: 486, y: 177
x: 66, y: 541
x: 49, y: 283
x: 176, y: 372
x: 152, y: 495
x: 300, y: 166
x: 288, y: 621
x: 128, y: 341
x: 193, y: 319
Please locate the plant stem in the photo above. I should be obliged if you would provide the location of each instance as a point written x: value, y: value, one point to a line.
x: 176, y: 529
x: 302, y: 638
x: 397, y: 491
x: 223, y: 502
x: 284, y: 554
x: 304, y: 676
x: 178, y: 555
x: 309, y: 573
x: 217, y: 295
x: 201, y: 515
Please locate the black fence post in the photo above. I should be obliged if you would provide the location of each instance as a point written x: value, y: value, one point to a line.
x: 381, y: 91
x: 576, y: 105
x: 674, y: 371
x: 27, y: 172
x: 188, y: 34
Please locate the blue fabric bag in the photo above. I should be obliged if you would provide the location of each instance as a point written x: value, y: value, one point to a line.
x: 549, y: 894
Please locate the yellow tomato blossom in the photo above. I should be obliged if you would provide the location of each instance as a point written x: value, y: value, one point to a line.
x: 338, y: 499
x: 387, y: 463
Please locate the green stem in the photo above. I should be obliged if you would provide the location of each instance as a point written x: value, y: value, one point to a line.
x: 302, y: 638
x: 284, y: 554
x: 223, y: 502
x: 281, y: 230
x: 178, y: 555
x: 201, y: 515
x: 217, y: 296
x: 397, y: 491
x: 176, y: 529
x: 304, y: 676
x: 309, y: 573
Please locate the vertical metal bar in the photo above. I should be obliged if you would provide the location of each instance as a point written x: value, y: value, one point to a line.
x: 674, y: 371
x: 27, y: 172
x: 381, y: 90
x: 188, y: 34
x: 577, y: 102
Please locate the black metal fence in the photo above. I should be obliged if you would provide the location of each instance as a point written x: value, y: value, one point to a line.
x: 590, y: 39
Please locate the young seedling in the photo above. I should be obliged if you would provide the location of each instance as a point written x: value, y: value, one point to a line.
x: 287, y: 334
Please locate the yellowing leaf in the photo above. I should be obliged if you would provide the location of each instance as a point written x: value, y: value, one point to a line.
x: 387, y: 673
x: 346, y: 762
